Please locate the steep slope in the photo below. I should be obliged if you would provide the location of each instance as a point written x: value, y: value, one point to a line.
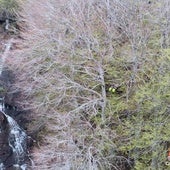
x: 96, y: 76
x: 55, y: 148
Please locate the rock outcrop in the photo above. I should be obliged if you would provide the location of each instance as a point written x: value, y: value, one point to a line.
x: 9, y: 131
x: 6, y: 155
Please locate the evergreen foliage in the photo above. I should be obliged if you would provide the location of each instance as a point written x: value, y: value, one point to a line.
x: 9, y: 8
x: 110, y: 74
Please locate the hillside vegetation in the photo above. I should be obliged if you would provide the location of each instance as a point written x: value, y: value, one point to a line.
x: 9, y: 17
x: 96, y: 73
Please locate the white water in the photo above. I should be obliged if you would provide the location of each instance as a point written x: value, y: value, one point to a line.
x: 2, y: 166
x: 4, y: 55
x: 16, y: 139
x: 2, y: 107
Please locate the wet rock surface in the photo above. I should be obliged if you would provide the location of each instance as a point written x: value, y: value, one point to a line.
x: 6, y: 155
x: 8, y: 159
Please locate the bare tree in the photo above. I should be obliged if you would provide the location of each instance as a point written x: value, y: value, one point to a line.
x: 74, y: 53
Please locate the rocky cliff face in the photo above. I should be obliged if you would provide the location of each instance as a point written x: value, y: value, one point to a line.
x: 6, y: 155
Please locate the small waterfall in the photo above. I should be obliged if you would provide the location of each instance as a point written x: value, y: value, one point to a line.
x: 4, y: 55
x: 13, y: 151
x: 2, y: 166
x: 17, y: 140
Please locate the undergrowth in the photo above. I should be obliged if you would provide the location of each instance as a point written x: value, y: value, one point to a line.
x: 87, y: 48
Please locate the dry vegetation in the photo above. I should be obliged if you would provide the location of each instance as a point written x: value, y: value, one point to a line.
x: 75, y: 50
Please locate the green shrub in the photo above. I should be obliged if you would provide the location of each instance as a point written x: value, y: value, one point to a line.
x: 8, y: 8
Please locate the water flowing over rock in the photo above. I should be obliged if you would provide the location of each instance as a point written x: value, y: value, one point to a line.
x: 15, y: 142
x: 13, y: 139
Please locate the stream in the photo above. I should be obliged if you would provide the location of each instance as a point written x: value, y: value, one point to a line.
x: 13, y: 138
x: 15, y: 142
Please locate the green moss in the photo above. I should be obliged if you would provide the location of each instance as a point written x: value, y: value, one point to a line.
x: 2, y: 89
x: 10, y: 7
